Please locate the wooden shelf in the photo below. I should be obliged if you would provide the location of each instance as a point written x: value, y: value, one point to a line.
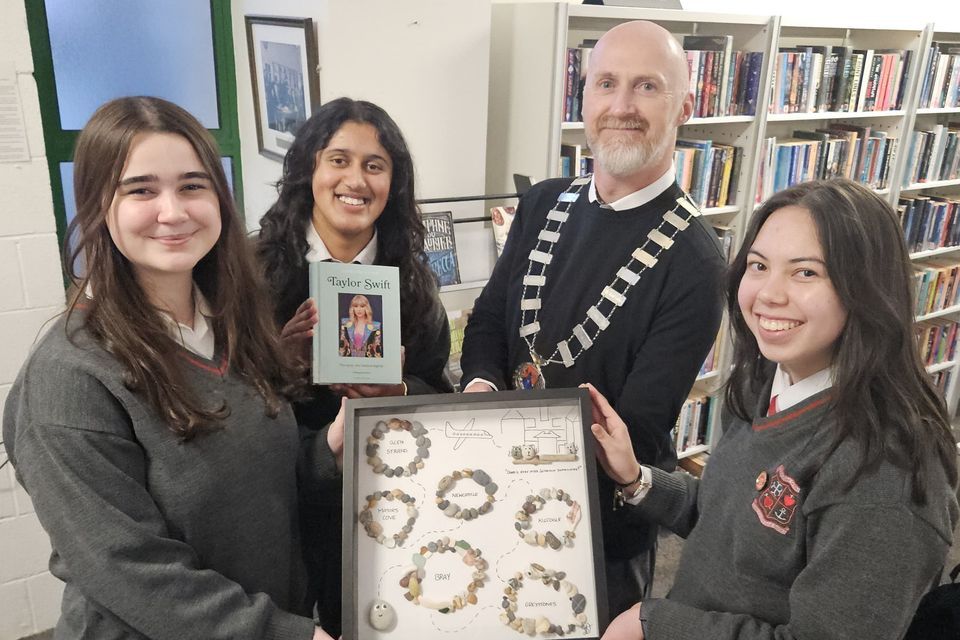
x: 937, y: 111
x: 464, y: 286
x: 941, y: 366
x: 832, y: 115
x: 933, y: 253
x: 692, y: 451
x: 935, y: 184
x: 949, y: 311
x: 578, y: 126
x: 709, y: 375
x: 719, y: 211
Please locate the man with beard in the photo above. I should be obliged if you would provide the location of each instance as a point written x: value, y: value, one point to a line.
x: 612, y: 279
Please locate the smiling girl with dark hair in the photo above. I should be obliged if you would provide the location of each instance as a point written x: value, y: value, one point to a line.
x: 828, y: 506
x: 347, y: 194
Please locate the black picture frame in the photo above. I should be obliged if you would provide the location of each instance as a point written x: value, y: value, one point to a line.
x: 284, y: 78
x: 371, y: 567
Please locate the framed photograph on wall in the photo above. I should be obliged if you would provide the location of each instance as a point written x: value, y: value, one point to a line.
x: 472, y: 514
x: 284, y: 77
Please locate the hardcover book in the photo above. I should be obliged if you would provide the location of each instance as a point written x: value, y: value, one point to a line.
x: 441, y: 247
x: 358, y: 336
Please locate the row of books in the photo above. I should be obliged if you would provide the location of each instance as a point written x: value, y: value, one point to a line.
x: 693, y: 424
x: 929, y: 222
x: 576, y: 65
x: 811, y: 79
x: 941, y: 77
x: 938, y: 341
x: 841, y: 150
x: 937, y: 287
x: 707, y: 171
x: 575, y: 161
x: 933, y: 154
x: 723, y: 82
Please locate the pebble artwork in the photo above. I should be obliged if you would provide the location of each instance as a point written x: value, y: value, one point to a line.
x: 374, y: 529
x: 412, y: 580
x: 452, y: 509
x: 417, y: 430
x: 541, y: 624
x: 533, y: 504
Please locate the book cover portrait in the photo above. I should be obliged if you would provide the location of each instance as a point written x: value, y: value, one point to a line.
x: 358, y: 336
x: 361, y: 322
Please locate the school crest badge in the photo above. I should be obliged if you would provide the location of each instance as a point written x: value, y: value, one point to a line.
x: 777, y: 503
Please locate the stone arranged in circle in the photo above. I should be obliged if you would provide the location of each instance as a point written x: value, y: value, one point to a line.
x: 454, y: 510
x: 541, y: 625
x: 374, y: 529
x: 534, y: 503
x: 380, y: 429
x: 412, y: 579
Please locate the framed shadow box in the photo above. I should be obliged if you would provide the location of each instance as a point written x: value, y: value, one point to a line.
x: 473, y: 517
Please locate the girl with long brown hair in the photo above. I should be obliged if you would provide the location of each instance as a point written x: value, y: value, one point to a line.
x: 151, y: 424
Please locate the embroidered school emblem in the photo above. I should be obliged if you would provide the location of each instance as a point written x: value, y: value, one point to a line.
x: 777, y: 503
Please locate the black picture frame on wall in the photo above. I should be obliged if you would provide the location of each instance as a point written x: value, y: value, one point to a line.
x: 435, y: 489
x: 284, y: 79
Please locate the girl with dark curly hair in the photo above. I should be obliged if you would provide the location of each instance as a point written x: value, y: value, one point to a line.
x: 347, y: 194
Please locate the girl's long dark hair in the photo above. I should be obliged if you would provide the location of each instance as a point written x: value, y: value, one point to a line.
x: 120, y: 316
x: 882, y: 397
x: 283, y: 246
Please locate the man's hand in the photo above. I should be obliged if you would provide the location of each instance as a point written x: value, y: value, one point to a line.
x: 320, y: 634
x: 477, y: 387
x: 615, y: 452
x: 625, y: 626
x: 367, y: 390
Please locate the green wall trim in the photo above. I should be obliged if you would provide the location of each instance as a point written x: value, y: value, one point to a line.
x: 59, y: 143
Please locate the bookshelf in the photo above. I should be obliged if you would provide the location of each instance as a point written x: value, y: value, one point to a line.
x: 935, y: 107
x: 526, y: 126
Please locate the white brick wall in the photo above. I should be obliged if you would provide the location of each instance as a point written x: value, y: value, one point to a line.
x: 31, y: 292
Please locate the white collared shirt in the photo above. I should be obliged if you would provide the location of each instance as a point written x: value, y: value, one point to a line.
x: 789, y: 393
x: 199, y: 339
x: 318, y: 251
x: 637, y: 198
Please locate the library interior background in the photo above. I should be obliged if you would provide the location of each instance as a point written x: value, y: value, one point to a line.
x: 484, y: 91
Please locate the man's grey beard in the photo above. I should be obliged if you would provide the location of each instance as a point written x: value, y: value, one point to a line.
x: 620, y: 157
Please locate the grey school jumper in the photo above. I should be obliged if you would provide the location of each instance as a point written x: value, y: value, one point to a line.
x: 157, y: 538
x: 796, y: 560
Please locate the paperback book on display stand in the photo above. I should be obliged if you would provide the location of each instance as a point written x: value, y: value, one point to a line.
x: 357, y: 340
x: 441, y: 247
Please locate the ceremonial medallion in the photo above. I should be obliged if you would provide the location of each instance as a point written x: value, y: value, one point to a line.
x: 528, y: 375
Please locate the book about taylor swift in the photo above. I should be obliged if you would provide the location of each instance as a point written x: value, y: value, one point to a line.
x: 358, y: 337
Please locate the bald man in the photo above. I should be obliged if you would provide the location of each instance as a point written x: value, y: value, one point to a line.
x: 612, y: 279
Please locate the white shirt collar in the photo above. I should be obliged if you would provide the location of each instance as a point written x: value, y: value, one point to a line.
x: 790, y: 394
x: 200, y: 339
x: 318, y: 251
x: 637, y: 198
